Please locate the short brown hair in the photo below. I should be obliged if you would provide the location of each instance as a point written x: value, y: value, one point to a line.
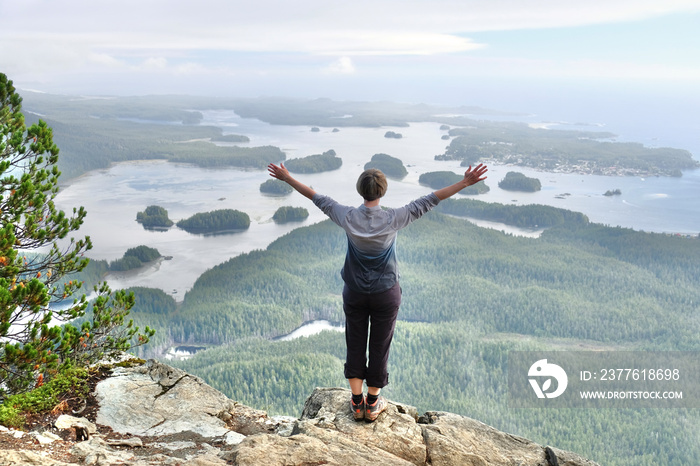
x: 372, y: 184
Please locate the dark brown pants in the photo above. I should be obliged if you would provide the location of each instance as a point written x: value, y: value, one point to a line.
x: 374, y: 315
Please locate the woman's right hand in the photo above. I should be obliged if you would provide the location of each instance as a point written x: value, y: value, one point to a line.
x: 279, y: 172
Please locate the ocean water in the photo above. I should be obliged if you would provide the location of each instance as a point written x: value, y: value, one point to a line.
x: 112, y: 197
x: 655, y: 204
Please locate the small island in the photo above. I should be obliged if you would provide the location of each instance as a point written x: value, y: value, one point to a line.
x: 614, y: 192
x: 391, y: 134
x: 440, y: 179
x: 515, y: 181
x: 216, y: 221
x: 390, y: 166
x: 134, y: 258
x: 230, y: 138
x: 287, y: 214
x: 315, y: 163
x: 154, y: 218
x: 275, y: 188
x: 315, y: 129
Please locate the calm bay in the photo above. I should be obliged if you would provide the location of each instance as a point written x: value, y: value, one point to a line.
x: 112, y: 197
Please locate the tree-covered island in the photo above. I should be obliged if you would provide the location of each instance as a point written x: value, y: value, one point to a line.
x: 516, y: 181
x: 216, y: 221
x: 134, y: 258
x: 287, y: 214
x: 154, y: 217
x: 393, y: 135
x: 390, y: 166
x: 315, y: 163
x: 275, y: 187
x: 438, y: 179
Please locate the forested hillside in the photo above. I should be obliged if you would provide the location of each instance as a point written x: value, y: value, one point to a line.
x: 470, y: 295
x: 583, y: 281
x: 94, y: 133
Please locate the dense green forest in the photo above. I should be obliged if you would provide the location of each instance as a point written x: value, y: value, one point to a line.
x: 89, y: 144
x: 215, y: 221
x: 470, y: 295
x: 290, y: 214
x: 154, y: 217
x: 392, y: 167
x: 527, y: 216
x: 440, y: 179
x: 578, y: 280
x: 94, y: 133
x: 516, y: 181
x: 315, y: 163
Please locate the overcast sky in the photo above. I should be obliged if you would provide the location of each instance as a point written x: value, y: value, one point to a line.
x: 408, y: 50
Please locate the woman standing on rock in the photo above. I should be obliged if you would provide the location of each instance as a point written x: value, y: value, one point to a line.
x: 372, y: 295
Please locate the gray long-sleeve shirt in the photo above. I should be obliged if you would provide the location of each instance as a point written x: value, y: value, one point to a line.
x: 370, y: 264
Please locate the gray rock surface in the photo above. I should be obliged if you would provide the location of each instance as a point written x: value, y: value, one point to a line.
x: 27, y: 458
x: 155, y: 399
x: 152, y: 414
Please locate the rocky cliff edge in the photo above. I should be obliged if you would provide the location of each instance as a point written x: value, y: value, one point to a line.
x: 153, y: 414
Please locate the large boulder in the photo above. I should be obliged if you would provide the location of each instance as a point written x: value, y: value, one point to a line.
x: 326, y: 433
x: 156, y: 399
x: 327, y: 410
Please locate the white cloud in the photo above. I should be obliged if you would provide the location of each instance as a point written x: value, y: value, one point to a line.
x: 39, y: 38
x: 155, y: 62
x: 310, y: 26
x: 392, y: 43
x: 190, y: 68
x: 343, y: 65
x: 104, y: 59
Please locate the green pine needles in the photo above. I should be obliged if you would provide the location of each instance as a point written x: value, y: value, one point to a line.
x: 37, y: 257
